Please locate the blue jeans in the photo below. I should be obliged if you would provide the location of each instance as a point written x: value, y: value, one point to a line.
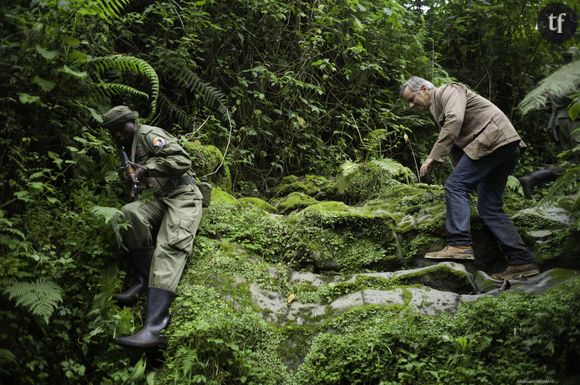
x: 488, y: 176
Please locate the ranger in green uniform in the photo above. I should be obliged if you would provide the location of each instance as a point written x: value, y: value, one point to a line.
x: 162, y: 229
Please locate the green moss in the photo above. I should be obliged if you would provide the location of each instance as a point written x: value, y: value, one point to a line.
x: 252, y: 228
x: 442, y: 277
x: 257, y: 202
x: 416, y: 245
x: 414, y: 207
x: 212, y: 340
x: 363, y: 181
x: 537, y: 219
x: 407, y: 296
x: 205, y: 158
x: 294, y: 201
x: 220, y: 197
x: 372, y: 344
x: 336, y: 214
x: 553, y: 248
x: 316, y: 186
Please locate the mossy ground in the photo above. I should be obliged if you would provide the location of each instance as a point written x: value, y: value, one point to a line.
x: 220, y: 336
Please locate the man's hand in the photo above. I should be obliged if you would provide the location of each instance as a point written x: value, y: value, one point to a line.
x: 425, y: 167
x: 140, y: 170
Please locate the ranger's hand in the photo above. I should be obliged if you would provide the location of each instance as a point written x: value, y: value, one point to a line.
x: 140, y: 170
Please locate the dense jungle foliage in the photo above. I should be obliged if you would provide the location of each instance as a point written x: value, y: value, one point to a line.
x: 263, y: 94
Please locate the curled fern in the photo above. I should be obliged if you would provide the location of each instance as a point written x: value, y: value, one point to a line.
x: 173, y: 111
x: 133, y: 65
x: 212, y: 97
x: 110, y: 89
x: 40, y: 297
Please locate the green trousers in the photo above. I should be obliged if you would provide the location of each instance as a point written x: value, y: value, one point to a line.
x: 169, y: 224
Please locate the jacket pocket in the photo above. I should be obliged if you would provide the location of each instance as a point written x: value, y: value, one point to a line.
x: 485, y: 141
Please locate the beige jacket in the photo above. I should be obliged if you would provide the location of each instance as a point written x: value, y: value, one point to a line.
x: 468, y: 121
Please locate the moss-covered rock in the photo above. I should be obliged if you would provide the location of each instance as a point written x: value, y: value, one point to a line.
x: 257, y: 202
x: 369, y: 343
x: 549, y: 231
x: 220, y: 197
x: 294, y: 201
x: 363, y: 181
x: 316, y: 186
x: 205, y: 160
x: 323, y: 288
x: 337, y: 215
x: 448, y: 276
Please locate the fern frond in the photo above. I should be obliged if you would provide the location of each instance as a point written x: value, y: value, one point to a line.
x: 574, y: 107
x: 134, y: 65
x: 110, y: 89
x: 40, y: 297
x: 7, y: 356
x: 171, y: 111
x: 114, y: 217
x: 108, y: 213
x: 561, y: 83
x: 372, y: 141
x: 211, y: 96
x: 112, y: 8
x: 344, y: 177
x: 568, y: 180
x: 394, y: 169
x: 513, y: 184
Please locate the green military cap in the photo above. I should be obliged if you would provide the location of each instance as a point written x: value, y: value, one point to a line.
x: 118, y: 115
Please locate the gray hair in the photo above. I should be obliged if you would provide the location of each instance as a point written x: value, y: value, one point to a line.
x: 415, y: 84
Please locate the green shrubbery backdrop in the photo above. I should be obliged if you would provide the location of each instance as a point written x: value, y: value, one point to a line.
x: 281, y: 88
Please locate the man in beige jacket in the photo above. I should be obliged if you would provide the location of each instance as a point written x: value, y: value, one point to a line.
x: 484, y: 147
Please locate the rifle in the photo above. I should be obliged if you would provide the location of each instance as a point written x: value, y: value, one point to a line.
x: 130, y: 174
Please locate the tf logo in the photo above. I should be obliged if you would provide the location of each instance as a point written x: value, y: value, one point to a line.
x: 557, y: 23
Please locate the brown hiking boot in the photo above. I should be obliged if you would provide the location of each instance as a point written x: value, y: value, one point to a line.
x: 517, y: 271
x: 452, y: 252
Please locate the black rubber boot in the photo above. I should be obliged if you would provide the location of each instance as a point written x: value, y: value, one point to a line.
x: 141, y: 260
x: 537, y: 178
x: 157, y: 319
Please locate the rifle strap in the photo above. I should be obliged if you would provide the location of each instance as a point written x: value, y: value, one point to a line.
x: 134, y: 145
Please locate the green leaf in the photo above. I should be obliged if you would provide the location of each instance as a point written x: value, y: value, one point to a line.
x: 36, y: 186
x: 69, y: 71
x: 56, y: 159
x: 23, y: 196
x: 7, y: 356
x: 70, y: 41
x: 79, y: 57
x: 28, y: 99
x: 95, y: 114
x: 48, y: 55
x: 45, y: 85
x: 139, y: 370
x: 151, y: 378
x: 574, y: 108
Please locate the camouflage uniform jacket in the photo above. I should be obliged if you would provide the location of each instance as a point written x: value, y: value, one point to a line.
x: 169, y: 165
